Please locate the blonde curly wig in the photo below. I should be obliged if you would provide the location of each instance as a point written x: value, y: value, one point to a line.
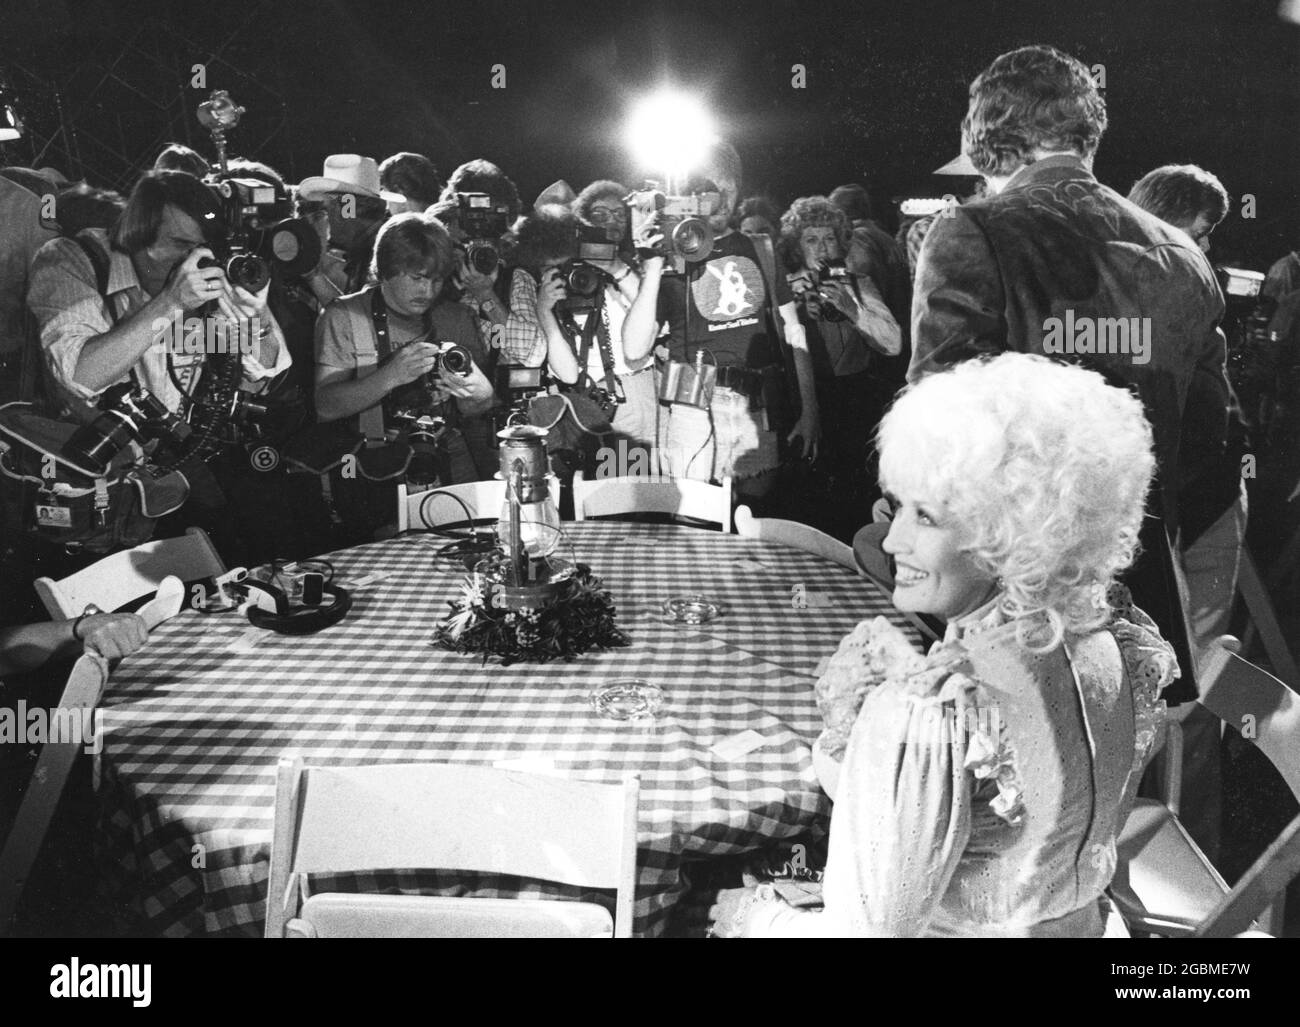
x: 1044, y: 467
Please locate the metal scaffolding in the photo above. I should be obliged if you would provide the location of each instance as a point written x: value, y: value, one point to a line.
x: 105, y: 119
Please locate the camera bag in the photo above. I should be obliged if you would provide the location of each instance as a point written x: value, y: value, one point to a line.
x: 45, y: 494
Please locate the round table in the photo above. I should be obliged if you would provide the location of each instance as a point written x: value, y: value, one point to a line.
x: 193, y: 726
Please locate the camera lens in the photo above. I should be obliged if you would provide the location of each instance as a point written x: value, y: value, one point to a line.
x: 582, y: 281
x: 693, y: 239
x: 455, y: 360
x: 483, y: 257
x: 94, y: 445
x: 295, y: 246
x: 248, y: 271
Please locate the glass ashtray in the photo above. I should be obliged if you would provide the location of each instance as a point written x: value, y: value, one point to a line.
x: 693, y: 609
x: 631, y: 699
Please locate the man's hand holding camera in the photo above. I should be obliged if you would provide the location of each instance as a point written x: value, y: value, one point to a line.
x: 473, y: 281
x: 551, y: 291
x: 414, y: 361
x: 190, y: 286
x: 410, y: 363
x: 649, y: 240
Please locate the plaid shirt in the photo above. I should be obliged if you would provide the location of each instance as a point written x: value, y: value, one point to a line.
x: 521, y: 339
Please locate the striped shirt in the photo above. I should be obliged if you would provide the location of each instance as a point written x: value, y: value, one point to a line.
x: 64, y: 298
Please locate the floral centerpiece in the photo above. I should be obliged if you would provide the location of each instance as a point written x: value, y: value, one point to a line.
x: 577, y: 618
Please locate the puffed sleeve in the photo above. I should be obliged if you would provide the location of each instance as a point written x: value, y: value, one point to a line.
x: 1151, y: 666
x: 901, y: 819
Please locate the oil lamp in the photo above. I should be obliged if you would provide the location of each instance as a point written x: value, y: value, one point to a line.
x: 529, y: 527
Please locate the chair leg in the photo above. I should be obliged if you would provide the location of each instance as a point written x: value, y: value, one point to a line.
x: 1273, y: 919
x: 1263, y: 616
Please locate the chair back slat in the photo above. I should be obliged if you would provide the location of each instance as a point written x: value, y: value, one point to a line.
x: 23, y: 844
x: 1257, y: 704
x: 459, y: 817
x: 682, y: 497
x: 482, y: 498
x: 798, y: 536
x: 1269, y: 875
x: 123, y: 577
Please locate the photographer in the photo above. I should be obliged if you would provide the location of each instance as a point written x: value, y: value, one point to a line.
x: 720, y: 306
x: 487, y: 290
x: 152, y: 260
x: 349, y: 190
x: 580, y: 308
x: 378, y: 354
x: 849, y: 330
x: 409, y: 183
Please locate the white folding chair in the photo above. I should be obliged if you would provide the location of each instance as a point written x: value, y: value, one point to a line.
x: 23, y: 845
x: 682, y: 497
x: 123, y: 577
x: 1165, y: 884
x: 795, y: 535
x: 1263, y: 617
x: 438, y: 816
x: 435, y: 506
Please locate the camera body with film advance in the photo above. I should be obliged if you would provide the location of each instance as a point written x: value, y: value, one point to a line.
x: 583, y: 278
x: 411, y: 402
x: 260, y: 233
x: 484, y: 223
x: 828, y: 272
x: 683, y: 221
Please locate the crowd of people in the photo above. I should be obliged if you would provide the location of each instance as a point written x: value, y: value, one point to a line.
x: 1093, y: 386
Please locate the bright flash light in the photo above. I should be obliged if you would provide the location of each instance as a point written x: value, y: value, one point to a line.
x: 670, y: 131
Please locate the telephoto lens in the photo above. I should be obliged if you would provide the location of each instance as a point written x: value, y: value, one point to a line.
x: 121, y: 422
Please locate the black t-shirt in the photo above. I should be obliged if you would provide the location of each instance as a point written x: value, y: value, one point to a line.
x: 727, y: 313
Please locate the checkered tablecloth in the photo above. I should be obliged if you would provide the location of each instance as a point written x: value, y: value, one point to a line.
x: 193, y: 730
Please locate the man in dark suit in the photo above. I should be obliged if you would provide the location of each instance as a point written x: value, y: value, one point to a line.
x: 1053, y: 262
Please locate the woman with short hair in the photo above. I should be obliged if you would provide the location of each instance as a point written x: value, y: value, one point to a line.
x: 983, y: 785
x: 851, y: 334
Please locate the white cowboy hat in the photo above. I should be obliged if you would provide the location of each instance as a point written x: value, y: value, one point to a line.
x: 344, y: 173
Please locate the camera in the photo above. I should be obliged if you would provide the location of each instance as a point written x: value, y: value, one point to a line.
x: 828, y: 271
x: 452, y: 359
x: 257, y: 220
x: 832, y: 271
x: 584, y: 280
x: 128, y: 413
x: 484, y: 223
x: 684, y: 220
x: 260, y: 232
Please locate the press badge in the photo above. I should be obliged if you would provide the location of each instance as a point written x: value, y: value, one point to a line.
x: 54, y: 516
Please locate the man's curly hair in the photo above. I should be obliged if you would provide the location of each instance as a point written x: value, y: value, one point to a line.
x: 1043, y: 469
x: 1032, y: 98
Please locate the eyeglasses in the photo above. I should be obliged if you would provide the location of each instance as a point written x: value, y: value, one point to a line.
x: 600, y: 215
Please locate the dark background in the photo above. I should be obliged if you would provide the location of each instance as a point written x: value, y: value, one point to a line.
x: 1213, y: 82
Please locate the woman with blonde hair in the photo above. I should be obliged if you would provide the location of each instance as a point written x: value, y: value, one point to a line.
x: 982, y: 786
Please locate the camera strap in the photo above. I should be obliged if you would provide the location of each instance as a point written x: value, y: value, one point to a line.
x: 596, y: 329
x: 370, y: 344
